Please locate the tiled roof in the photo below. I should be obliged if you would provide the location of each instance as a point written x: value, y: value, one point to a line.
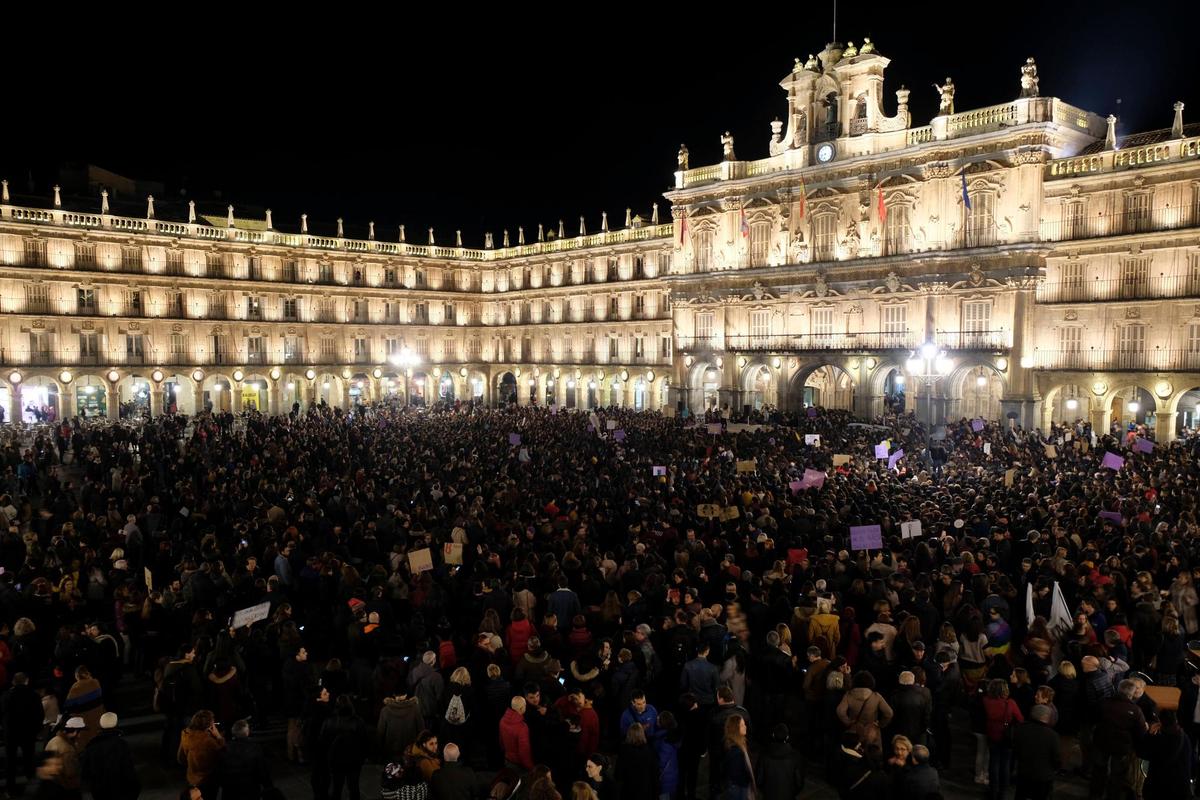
x: 1142, y: 139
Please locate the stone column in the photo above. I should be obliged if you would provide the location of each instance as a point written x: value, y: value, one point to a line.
x: 1099, y: 417
x: 654, y: 394
x: 113, y: 396
x: 197, y: 398
x: 523, y: 388
x: 14, y: 404
x: 156, y: 399
x: 273, y: 392
x: 1164, y: 426
x: 235, y: 397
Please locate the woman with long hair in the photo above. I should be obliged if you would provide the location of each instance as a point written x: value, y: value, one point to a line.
x: 457, y: 721
x: 739, y: 777
x: 200, y: 749
x: 637, y: 766
x: 1000, y: 717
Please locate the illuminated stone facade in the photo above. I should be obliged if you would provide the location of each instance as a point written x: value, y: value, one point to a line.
x: 1016, y: 261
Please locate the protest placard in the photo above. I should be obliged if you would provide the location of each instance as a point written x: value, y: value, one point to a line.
x: 910, y: 529
x: 729, y: 512
x: 420, y: 560
x: 452, y: 552
x: 812, y: 439
x: 1112, y: 461
x: 840, y: 458
x: 656, y: 471
x: 866, y: 537
x: 708, y: 511
x: 514, y: 439
x: 251, y: 615
x: 747, y: 466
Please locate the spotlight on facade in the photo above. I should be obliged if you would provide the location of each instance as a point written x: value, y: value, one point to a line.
x: 1133, y: 407
x: 981, y: 381
x: 929, y: 351
x: 1072, y: 404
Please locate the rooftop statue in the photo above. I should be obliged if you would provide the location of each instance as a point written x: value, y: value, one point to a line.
x: 1029, y: 78
x: 946, y: 91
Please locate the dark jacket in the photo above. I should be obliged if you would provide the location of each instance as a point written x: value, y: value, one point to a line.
x: 344, y: 741
x: 455, y: 781
x: 702, y: 679
x: 1171, y: 765
x: 1120, y: 726
x: 912, y: 709
x: 399, y: 724
x: 106, y: 766
x: 780, y: 772
x: 23, y: 714
x: 243, y: 772
x: 637, y: 772
x: 917, y: 783
x: 1036, y: 751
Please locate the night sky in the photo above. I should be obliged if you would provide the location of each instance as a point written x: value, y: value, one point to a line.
x: 524, y: 117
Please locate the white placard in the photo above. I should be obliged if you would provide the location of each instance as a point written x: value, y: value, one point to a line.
x: 910, y: 529
x: 251, y: 615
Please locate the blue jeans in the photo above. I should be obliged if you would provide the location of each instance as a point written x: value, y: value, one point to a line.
x: 999, y: 769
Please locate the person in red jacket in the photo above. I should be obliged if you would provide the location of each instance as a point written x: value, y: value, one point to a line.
x: 1000, y: 715
x: 514, y: 738
x: 517, y: 635
x: 577, y: 711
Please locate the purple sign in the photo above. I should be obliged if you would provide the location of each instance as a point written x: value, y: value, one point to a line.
x: 591, y: 428
x: 514, y: 438
x: 1112, y: 461
x: 1143, y: 445
x: 619, y: 435
x: 896, y: 456
x: 796, y: 486
x: 1114, y: 516
x: 866, y: 537
x: 977, y: 425
x: 881, y: 451
x: 714, y: 428
x: 812, y: 412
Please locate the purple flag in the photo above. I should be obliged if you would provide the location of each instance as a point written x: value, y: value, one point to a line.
x: 796, y: 486
x: 881, y: 451
x: 896, y: 456
x: 977, y: 425
x: 514, y: 438
x: 1143, y: 445
x: 1112, y: 461
x: 619, y: 435
x: 1115, y: 516
x: 812, y: 477
x: 866, y: 537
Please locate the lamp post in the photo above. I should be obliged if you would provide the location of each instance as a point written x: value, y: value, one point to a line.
x: 406, y: 359
x: 928, y: 364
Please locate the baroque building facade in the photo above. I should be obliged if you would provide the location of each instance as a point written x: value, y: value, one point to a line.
x: 1019, y: 261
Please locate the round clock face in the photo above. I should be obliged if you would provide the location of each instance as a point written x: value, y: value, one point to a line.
x: 825, y: 153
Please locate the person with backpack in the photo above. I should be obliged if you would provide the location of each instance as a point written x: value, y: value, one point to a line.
x: 457, y: 722
x: 824, y: 629
x: 344, y: 741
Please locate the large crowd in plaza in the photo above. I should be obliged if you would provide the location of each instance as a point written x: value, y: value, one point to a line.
x: 546, y: 603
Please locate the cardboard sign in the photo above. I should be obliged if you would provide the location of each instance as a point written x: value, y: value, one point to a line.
x: 1008, y: 476
x: 610, y: 425
x: 747, y: 466
x: 866, y: 537
x: 1112, y: 461
x: 420, y: 560
x: 977, y: 425
x: 1068, y: 437
x: 881, y: 451
x: 452, y: 552
x: 514, y: 439
x: 840, y: 458
x: 812, y: 477
x: 656, y: 471
x: 251, y: 615
x: 729, y: 512
x: 708, y: 511
x: 1051, y: 451
x: 714, y: 428
x: 987, y: 448
x: 149, y: 579
x: 812, y: 439
x: 910, y: 529
x: 1143, y: 445
x: 894, y: 457
x: 619, y: 434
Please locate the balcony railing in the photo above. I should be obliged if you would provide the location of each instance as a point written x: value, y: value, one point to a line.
x: 1157, y: 360
x: 987, y: 341
x: 808, y: 342
x: 1133, y: 288
x: 1099, y: 226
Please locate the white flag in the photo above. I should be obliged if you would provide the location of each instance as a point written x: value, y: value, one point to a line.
x: 1060, y: 615
x: 1029, y: 604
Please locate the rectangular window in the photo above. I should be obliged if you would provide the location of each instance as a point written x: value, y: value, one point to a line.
x: 134, y: 303
x: 254, y: 268
x: 176, y: 304
x: 614, y: 307
x: 1070, y: 339
x: 89, y: 347
x: 1193, y: 338
x: 664, y: 348
x: 362, y: 351
x: 474, y: 349
x: 389, y: 277
x: 421, y: 313
x: 1193, y: 273
x: 899, y: 229
x: 448, y: 315
x: 1137, y: 212
x: 37, y: 298
x: 291, y: 308
x: 174, y: 262
x: 85, y: 301
x: 760, y: 326
x: 614, y: 348
x: 614, y: 269
x: 253, y: 308
x: 360, y: 311
x: 639, y: 304
x: 760, y: 241
x: 135, y: 350
x: 1135, y: 277
x: 824, y: 237
x: 39, y: 347
x: 328, y: 348
x: 449, y: 350
x: 1072, y: 220
x: 325, y: 273
x: 291, y: 271
x: 1072, y: 273
x: 292, y: 350
x: 822, y: 322
x: 419, y: 277
x: 704, y: 329
x: 213, y: 265
x: 35, y: 252
x: 216, y: 306
x: 977, y: 316
x: 639, y: 348
x: 178, y: 344
x: 85, y: 255
x: 981, y: 222
x: 895, y: 325
x: 704, y: 251
x: 255, y: 352
x: 131, y: 259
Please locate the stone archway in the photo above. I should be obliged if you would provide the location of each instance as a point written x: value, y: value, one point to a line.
x: 1066, y: 404
x: 506, y: 388
x: 976, y: 392
x: 704, y: 386
x: 822, y: 384
x: 759, y: 385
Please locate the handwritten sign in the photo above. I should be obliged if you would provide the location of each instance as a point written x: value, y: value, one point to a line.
x: 708, y: 511
x: 977, y: 425
x: 747, y: 466
x: 894, y: 457
x: 729, y: 512
x: 610, y: 425
x: 1051, y: 451
x: 881, y: 451
x: 714, y: 428
x: 523, y: 455
x: 812, y: 439
x: 1143, y: 445
x: 452, y: 552
x: 866, y: 537
x: 1112, y: 461
x: 1008, y: 476
x: 910, y: 529
x: 812, y: 477
x: 840, y: 458
x: 1112, y: 516
x: 812, y: 412
x: 619, y: 434
x: 251, y: 615
x: 656, y: 471
x: 420, y: 560
x: 987, y: 448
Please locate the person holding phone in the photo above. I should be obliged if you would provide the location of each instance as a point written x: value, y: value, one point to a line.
x: 200, y: 750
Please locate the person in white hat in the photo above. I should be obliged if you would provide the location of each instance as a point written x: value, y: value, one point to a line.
x: 65, y: 745
x: 106, y: 765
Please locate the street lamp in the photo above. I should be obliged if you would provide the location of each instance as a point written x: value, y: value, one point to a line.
x: 927, y: 364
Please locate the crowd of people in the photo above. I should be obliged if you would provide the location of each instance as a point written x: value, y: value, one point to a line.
x: 540, y: 603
